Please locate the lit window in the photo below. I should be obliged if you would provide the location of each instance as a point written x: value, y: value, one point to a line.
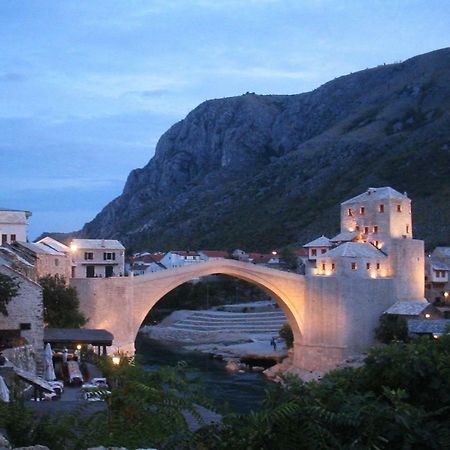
x: 333, y: 266
x: 354, y: 267
x: 362, y: 210
x: 368, y: 266
x: 366, y: 230
x: 349, y: 212
x: 381, y: 208
x: 375, y: 228
x: 357, y: 228
x: 399, y: 208
x: 324, y: 267
x: 376, y: 243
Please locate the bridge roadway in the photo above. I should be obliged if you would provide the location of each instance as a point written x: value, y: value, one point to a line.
x: 327, y: 321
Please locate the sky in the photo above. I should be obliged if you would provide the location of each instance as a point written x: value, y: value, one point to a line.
x: 87, y: 87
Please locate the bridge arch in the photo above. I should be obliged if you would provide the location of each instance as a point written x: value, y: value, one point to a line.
x: 285, y: 288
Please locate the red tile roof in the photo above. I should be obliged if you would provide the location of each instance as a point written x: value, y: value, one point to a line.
x: 215, y: 253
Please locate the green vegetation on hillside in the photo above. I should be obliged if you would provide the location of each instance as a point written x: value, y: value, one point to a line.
x: 9, y: 288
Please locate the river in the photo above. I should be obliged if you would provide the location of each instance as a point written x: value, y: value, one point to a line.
x: 237, y: 392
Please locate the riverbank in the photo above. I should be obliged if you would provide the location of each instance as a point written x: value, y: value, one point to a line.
x: 225, y: 335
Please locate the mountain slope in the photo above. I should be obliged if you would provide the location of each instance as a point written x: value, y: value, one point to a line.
x: 265, y: 171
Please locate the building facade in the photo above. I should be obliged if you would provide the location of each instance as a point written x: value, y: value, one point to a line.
x: 13, y: 225
x: 97, y: 258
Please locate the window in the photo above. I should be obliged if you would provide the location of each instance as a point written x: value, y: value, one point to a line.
x: 108, y: 256
x: 375, y: 228
x: 88, y: 255
x: 13, y: 238
x: 350, y: 212
x: 90, y: 271
x: 378, y: 266
x: 366, y: 230
x: 25, y: 326
x: 376, y: 243
x: 4, y: 238
x: 56, y: 262
x: 324, y: 267
x: 333, y: 266
x: 381, y: 208
x: 354, y: 266
x: 362, y: 210
x: 399, y: 208
x: 407, y: 229
x: 323, y: 250
x: 314, y: 252
x: 368, y: 266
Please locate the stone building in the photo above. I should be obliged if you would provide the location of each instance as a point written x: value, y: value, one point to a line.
x: 13, y: 225
x: 97, y: 258
x: 25, y: 311
x: 437, y: 276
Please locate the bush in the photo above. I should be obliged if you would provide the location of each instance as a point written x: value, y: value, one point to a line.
x: 286, y: 334
x: 392, y: 328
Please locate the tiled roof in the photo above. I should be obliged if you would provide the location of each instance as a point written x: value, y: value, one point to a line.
x: 54, y: 244
x: 427, y: 326
x: 321, y: 241
x: 381, y: 193
x: 355, y: 250
x: 345, y: 236
x: 108, y: 244
x: 438, y: 265
x: 215, y: 253
x: 39, y: 249
x: 408, y: 308
x: 78, y: 335
x: 442, y: 251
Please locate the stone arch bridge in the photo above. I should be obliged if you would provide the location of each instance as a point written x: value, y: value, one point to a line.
x: 327, y: 326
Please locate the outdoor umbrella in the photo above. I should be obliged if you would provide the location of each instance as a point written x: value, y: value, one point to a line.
x: 48, y: 360
x: 4, y: 391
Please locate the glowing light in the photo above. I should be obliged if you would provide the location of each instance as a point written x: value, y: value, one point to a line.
x: 274, y: 253
x: 79, y: 347
x: 373, y: 275
x: 351, y: 230
x: 446, y: 294
x: 73, y: 247
x: 436, y: 336
x: 427, y: 316
x: 116, y: 360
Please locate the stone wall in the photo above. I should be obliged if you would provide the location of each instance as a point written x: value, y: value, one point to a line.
x: 24, y: 357
x: 25, y: 309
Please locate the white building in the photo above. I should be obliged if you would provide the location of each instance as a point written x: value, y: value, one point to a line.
x: 177, y: 258
x: 213, y: 255
x: 318, y: 247
x: 382, y: 246
x: 13, y: 225
x: 97, y: 258
x: 146, y: 262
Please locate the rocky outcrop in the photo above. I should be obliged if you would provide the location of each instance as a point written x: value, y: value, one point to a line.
x: 261, y: 171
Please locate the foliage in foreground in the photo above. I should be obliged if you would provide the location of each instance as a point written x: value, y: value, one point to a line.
x: 9, y: 288
x: 61, y: 304
x: 145, y: 409
x: 392, y: 328
x: 399, y: 399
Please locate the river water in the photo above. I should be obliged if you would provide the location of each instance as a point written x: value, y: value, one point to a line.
x: 237, y: 392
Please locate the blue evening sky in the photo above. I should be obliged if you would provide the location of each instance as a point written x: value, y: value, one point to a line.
x: 88, y: 87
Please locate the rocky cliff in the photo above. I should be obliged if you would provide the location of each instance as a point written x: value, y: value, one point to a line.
x: 263, y: 171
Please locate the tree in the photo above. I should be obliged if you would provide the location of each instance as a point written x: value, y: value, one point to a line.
x: 289, y: 258
x: 61, y: 304
x: 392, y: 328
x: 9, y: 288
x: 285, y: 333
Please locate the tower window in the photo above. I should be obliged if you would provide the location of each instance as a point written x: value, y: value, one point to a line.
x: 366, y: 230
x: 407, y: 229
x: 333, y: 266
x: 354, y: 266
x: 357, y: 228
x: 399, y: 208
x: 381, y: 208
x: 362, y: 210
x: 375, y: 228
x: 350, y: 212
x: 323, y: 267
x: 376, y: 243
x: 368, y: 266
x: 378, y: 266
